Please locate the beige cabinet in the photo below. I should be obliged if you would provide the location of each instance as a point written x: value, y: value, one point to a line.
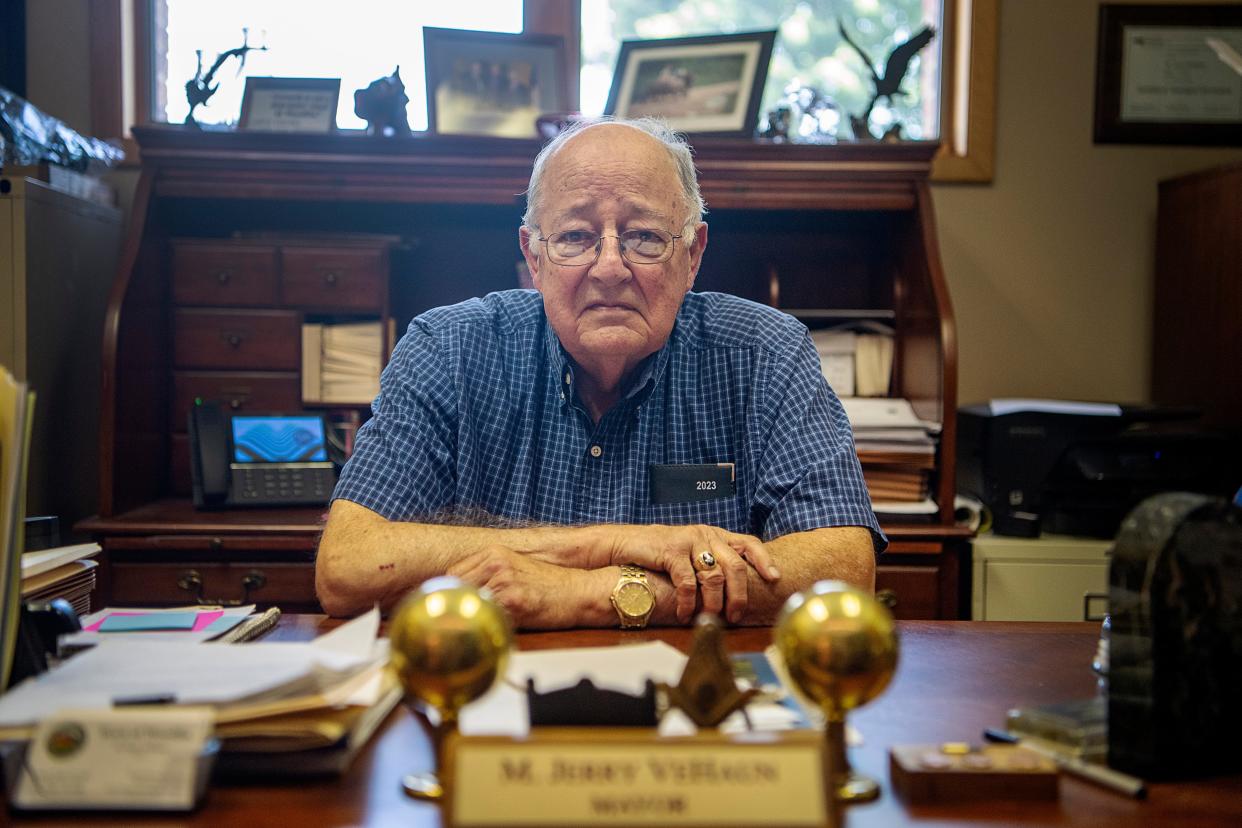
x: 1052, y: 578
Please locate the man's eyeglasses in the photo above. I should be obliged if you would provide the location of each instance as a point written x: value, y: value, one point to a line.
x: 582, y: 247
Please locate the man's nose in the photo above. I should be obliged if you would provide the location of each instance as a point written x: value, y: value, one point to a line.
x: 610, y: 266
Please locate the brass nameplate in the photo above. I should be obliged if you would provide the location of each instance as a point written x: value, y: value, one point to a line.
x: 619, y: 776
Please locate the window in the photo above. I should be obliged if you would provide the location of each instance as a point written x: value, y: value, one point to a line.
x: 809, y: 49
x: 136, y: 75
x: 357, y: 42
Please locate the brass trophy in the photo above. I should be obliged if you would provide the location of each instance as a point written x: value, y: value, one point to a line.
x: 449, y: 644
x: 840, y: 648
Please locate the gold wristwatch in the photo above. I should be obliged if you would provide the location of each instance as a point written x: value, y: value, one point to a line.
x: 632, y: 597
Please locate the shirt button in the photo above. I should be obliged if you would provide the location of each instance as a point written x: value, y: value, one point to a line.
x: 568, y: 378
x: 596, y: 451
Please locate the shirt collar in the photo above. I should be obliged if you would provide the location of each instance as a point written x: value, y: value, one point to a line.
x: 644, y: 380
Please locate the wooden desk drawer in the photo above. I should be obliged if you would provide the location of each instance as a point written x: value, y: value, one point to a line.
x: 237, y: 339
x: 255, y: 392
x: 913, y: 590
x: 290, y: 586
x: 220, y: 273
x: 333, y: 278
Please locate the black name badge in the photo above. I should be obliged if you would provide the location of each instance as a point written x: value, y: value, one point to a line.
x: 691, y: 483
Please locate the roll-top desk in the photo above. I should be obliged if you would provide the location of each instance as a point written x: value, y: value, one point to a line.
x: 237, y: 239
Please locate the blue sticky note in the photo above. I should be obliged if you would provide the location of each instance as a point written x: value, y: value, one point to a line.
x: 149, y: 622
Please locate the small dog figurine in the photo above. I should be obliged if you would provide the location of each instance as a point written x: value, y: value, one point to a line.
x: 382, y: 106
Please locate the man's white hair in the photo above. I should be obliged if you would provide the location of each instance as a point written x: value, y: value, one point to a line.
x: 674, y: 142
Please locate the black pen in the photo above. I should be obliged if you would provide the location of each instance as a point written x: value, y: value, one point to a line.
x: 154, y: 698
x: 1106, y: 777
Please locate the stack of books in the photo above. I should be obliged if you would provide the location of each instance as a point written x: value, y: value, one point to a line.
x: 63, y: 572
x: 341, y: 362
x: 897, y: 451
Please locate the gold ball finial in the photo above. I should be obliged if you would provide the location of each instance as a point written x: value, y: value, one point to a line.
x: 449, y: 642
x: 839, y: 646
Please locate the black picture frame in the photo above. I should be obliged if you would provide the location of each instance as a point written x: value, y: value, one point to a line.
x: 492, y: 83
x: 1159, y: 81
x: 290, y: 104
x: 657, y: 78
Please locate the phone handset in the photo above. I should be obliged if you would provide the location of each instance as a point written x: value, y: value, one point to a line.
x: 209, y: 454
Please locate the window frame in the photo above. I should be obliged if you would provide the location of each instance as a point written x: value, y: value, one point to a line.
x: 120, y: 57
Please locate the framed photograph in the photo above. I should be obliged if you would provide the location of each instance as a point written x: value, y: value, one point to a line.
x: 489, y: 83
x: 702, y: 85
x: 1169, y: 74
x: 290, y: 104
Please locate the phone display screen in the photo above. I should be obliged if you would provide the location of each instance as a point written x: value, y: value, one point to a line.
x: 279, y: 439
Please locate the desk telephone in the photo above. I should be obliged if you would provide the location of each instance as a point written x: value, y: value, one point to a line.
x: 258, y: 459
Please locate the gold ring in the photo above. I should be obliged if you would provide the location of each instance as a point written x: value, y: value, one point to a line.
x: 707, y: 559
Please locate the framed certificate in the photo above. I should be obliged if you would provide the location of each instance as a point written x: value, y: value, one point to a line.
x: 290, y: 104
x: 1169, y: 74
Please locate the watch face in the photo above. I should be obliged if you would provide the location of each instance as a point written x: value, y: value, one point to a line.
x: 634, y: 599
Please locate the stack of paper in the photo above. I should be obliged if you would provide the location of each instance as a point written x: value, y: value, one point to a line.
x: 836, y: 358
x: 897, y: 451
x: 856, y: 357
x: 183, y: 624
x: 323, y: 698
x: 341, y: 363
x: 63, y: 572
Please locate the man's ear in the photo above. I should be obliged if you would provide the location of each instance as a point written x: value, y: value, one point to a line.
x: 530, y: 251
x: 695, y: 249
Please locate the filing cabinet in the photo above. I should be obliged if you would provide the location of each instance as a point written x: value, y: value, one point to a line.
x: 1051, y: 578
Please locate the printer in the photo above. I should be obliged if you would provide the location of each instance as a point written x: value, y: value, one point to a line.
x: 1078, y: 468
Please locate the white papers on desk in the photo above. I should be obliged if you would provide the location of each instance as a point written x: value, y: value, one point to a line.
x: 131, y: 667
x: 625, y: 669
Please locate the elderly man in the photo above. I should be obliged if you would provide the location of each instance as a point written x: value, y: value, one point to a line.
x: 612, y: 449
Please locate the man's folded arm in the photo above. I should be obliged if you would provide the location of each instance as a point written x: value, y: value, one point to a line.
x: 843, y: 553
x: 366, y: 559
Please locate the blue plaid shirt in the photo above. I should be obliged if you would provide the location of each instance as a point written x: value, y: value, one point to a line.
x: 477, y: 410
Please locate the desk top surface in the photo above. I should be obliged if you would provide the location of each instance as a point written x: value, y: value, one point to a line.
x: 954, y: 679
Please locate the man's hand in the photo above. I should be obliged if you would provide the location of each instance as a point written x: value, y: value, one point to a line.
x: 538, y: 595
x: 677, y: 550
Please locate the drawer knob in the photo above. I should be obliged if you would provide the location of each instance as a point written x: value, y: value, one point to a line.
x: 235, y: 403
x: 330, y: 278
x: 887, y: 598
x: 191, y: 581
x: 223, y: 276
x: 234, y: 340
